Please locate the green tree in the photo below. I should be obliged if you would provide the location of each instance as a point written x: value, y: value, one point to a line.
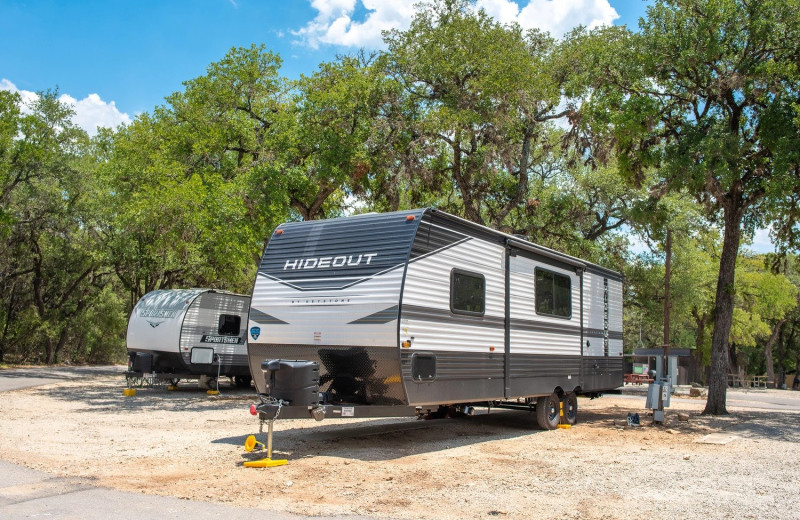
x: 331, y: 149
x: 480, y: 99
x: 193, y: 186
x: 707, y: 93
x: 52, y: 266
x: 763, y: 303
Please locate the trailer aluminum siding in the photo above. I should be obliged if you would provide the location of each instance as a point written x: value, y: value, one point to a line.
x: 169, y: 323
x: 370, y: 298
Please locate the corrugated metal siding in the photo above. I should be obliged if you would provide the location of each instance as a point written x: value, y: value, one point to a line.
x: 327, y: 316
x: 538, y: 365
x: 564, y: 337
x: 593, y: 315
x: 460, y: 377
x: 593, y: 302
x: 615, y: 317
x: 427, y: 286
x: 202, y: 318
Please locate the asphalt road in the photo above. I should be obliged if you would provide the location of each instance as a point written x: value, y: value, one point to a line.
x: 27, y: 493
x: 755, y: 399
x: 18, y: 378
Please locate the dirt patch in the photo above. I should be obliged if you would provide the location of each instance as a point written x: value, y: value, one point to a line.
x: 187, y: 444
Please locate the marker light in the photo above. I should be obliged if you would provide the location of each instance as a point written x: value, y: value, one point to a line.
x: 410, y: 217
x: 253, y: 410
x: 278, y: 231
x: 491, y: 349
x: 406, y: 344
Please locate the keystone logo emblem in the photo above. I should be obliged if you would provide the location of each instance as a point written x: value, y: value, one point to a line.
x: 255, y: 332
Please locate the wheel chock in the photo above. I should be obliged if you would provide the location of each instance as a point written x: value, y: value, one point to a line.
x: 172, y: 387
x: 562, y: 424
x: 212, y: 392
x: 129, y: 392
x: 265, y: 463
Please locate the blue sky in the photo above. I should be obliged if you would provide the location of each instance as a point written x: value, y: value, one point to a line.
x: 113, y: 59
x: 135, y: 52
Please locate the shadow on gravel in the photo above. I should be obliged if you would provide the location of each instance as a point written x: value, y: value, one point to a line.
x: 397, y: 438
x: 103, y: 398
x: 761, y: 425
x: 389, y: 439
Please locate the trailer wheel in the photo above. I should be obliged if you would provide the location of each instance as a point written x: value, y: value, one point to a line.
x: 547, y: 409
x: 570, y: 408
x: 242, y: 381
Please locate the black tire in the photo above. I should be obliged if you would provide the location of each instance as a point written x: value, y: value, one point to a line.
x: 242, y: 381
x: 570, y: 408
x: 547, y: 411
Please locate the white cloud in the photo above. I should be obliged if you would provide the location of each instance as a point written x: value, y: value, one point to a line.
x: 334, y: 23
x: 554, y: 16
x: 90, y: 112
x: 27, y: 96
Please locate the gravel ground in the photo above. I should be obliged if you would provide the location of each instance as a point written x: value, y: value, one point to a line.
x: 187, y: 444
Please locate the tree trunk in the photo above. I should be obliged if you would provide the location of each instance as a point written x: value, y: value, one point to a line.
x: 697, y: 356
x: 723, y: 312
x: 49, y: 352
x: 771, y: 383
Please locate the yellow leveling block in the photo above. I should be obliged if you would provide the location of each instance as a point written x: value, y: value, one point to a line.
x: 128, y: 392
x: 212, y: 392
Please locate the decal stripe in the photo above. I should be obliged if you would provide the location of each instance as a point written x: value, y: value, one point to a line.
x: 380, y: 317
x: 264, y: 319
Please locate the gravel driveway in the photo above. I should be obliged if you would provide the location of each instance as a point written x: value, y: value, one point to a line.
x: 187, y: 444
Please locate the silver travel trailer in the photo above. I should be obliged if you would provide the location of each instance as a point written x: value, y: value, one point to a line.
x: 409, y: 312
x: 189, y: 334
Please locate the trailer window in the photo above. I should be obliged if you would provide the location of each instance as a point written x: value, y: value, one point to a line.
x: 553, y: 294
x: 229, y: 325
x: 467, y: 293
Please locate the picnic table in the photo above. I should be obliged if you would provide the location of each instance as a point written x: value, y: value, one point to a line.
x: 745, y: 381
x: 638, y: 379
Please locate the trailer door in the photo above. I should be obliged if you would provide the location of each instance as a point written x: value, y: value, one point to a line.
x: 543, y: 330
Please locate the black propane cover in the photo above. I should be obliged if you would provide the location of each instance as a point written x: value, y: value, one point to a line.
x: 296, y: 382
x: 141, y: 362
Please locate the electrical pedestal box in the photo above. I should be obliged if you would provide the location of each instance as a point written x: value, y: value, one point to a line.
x: 663, y: 388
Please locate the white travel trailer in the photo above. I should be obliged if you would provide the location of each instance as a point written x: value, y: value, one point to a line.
x: 189, y: 334
x: 409, y: 312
